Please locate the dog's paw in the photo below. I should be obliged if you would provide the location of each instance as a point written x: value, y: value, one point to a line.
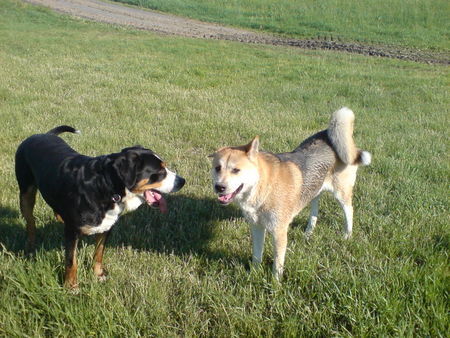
x: 102, y: 278
x: 347, y: 235
x: 308, y: 234
x: 74, y: 290
x: 72, y: 287
x: 102, y: 275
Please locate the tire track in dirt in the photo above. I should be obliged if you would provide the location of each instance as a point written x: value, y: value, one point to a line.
x: 111, y: 13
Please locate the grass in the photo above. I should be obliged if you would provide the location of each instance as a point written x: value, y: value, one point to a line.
x: 186, y: 273
x: 411, y: 23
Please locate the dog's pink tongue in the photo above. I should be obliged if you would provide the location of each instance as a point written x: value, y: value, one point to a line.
x: 225, y: 198
x: 154, y: 198
x: 162, y: 205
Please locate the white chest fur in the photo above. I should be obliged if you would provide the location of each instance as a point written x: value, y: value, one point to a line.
x: 250, y: 213
x: 111, y: 217
x: 255, y: 216
x: 131, y: 201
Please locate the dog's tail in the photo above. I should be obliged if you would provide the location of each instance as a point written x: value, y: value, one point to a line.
x: 63, y: 129
x: 340, y: 133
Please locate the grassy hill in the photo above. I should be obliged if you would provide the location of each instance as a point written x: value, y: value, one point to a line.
x: 187, y: 273
x: 419, y: 24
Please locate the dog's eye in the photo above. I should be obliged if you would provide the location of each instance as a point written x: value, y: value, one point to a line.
x: 153, y: 178
x: 235, y: 170
x: 217, y: 168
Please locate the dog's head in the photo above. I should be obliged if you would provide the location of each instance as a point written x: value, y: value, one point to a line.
x: 235, y: 171
x: 145, y: 176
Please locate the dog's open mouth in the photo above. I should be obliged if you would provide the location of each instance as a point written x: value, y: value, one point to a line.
x: 228, y: 198
x: 155, y: 199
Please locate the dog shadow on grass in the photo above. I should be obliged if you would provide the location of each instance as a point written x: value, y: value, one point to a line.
x: 13, y: 234
x: 188, y: 228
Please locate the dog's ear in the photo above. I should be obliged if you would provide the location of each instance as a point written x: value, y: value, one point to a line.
x: 126, y: 165
x: 252, y: 148
x: 217, y: 151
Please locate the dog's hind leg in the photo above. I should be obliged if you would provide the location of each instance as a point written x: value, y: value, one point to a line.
x: 313, y: 216
x: 100, y: 240
x: 345, y: 201
x: 344, y: 182
x: 27, y: 201
x: 348, y: 212
x: 27, y: 196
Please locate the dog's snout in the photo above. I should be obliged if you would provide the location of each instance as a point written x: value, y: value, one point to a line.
x: 219, y: 188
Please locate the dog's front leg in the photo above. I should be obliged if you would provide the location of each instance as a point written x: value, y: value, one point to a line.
x: 258, y: 234
x: 100, y: 240
x: 71, y: 264
x: 279, y: 245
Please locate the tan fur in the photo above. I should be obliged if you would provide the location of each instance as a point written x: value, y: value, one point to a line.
x: 27, y: 202
x: 71, y: 263
x: 100, y: 240
x: 278, y: 179
x: 59, y: 218
x: 271, y: 189
x: 144, y: 185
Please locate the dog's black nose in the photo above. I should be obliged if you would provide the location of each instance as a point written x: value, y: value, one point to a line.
x: 219, y: 188
x: 180, y: 182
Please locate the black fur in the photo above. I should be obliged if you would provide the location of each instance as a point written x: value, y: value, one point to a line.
x: 80, y: 189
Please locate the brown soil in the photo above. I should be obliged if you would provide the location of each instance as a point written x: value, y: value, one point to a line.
x: 169, y: 24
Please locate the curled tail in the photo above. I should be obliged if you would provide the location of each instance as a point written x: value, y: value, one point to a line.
x: 63, y: 129
x: 340, y: 133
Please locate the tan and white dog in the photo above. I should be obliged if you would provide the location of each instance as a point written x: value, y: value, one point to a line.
x: 271, y: 189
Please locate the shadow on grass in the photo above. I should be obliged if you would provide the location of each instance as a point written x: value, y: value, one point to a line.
x: 187, y: 228
x: 13, y: 232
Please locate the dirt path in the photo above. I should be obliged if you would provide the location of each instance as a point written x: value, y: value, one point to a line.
x: 169, y: 24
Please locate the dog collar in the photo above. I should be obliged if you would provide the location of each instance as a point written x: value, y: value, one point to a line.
x: 116, y: 198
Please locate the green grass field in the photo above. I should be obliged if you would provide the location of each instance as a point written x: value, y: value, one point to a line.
x: 412, y: 23
x: 187, y: 273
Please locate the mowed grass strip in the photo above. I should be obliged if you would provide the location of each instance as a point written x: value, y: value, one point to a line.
x: 187, y: 273
x: 410, y: 23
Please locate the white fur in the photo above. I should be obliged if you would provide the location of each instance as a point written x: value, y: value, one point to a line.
x: 232, y: 182
x: 366, y: 158
x: 348, y: 212
x: 250, y: 212
x: 258, y: 234
x: 128, y: 203
x: 340, y: 131
x: 168, y: 184
x: 313, y: 216
x: 111, y: 217
x: 326, y: 186
x: 131, y: 201
x: 344, y: 114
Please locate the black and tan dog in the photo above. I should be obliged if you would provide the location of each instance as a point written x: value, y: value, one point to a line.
x: 272, y: 189
x: 87, y: 193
